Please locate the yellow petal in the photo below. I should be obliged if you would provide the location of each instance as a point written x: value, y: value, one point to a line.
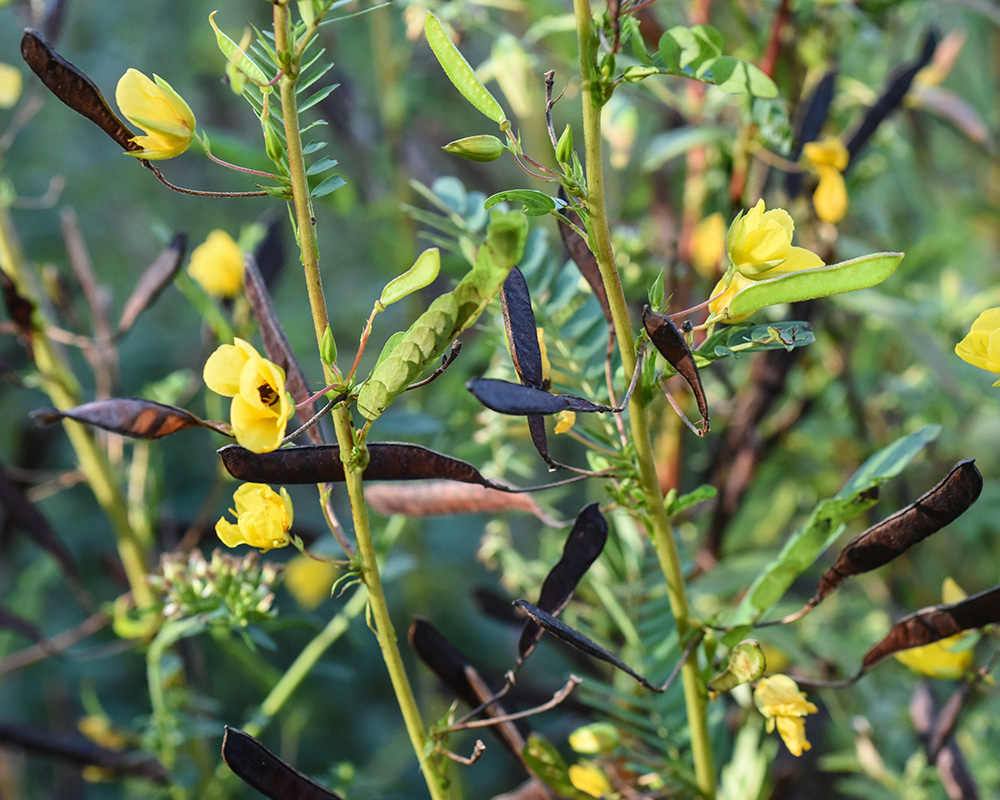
x: 256, y: 430
x: 792, y: 731
x: 309, y: 580
x: 708, y: 243
x: 567, y: 419
x: 229, y: 533
x: 830, y: 197
x: 951, y: 592
x: 11, y: 81
x: 262, y: 383
x: 589, y: 779
x: 830, y: 152
x: 223, y: 368
x: 938, y: 659
x: 154, y: 106
x: 217, y: 265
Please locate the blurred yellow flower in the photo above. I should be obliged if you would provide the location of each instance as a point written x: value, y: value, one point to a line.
x: 589, y: 780
x: 217, y: 265
x: 155, y: 107
x: 261, y: 407
x: 828, y: 159
x: 10, y: 85
x: 945, y: 659
x: 565, y: 421
x: 784, y: 706
x: 759, y: 244
x: 708, y: 244
x: 263, y: 518
x: 309, y: 580
x: 981, y: 347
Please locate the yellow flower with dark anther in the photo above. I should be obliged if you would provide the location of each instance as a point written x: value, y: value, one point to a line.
x: 945, y: 659
x: 309, y: 580
x: 261, y: 407
x: 217, y: 265
x: 981, y: 347
x: 263, y: 518
x: 828, y: 159
x: 155, y: 107
x: 10, y: 85
x: 784, y: 706
x: 759, y: 245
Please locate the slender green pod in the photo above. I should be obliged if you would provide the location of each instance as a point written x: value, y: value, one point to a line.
x: 450, y: 314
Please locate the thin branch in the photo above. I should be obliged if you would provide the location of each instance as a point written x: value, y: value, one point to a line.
x: 557, y: 698
x: 456, y: 348
x: 198, y: 192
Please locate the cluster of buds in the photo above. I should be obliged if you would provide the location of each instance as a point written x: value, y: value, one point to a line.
x: 233, y: 590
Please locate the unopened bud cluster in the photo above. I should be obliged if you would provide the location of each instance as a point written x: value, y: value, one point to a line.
x: 234, y: 590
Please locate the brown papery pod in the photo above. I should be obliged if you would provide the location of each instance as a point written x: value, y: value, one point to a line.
x: 670, y: 342
x: 522, y: 332
x: 894, y: 535
x: 935, y: 623
x: 583, y: 545
x: 261, y: 769
x: 275, y: 341
x: 448, y: 498
x: 519, y: 400
x: 388, y: 461
x: 573, y: 637
x: 18, y: 306
x: 73, y: 87
x: 132, y: 417
x: 156, y: 277
x: 584, y: 259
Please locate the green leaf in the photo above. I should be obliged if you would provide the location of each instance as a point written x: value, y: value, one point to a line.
x: 236, y: 56
x: 545, y: 762
x: 807, y: 284
x: 738, y: 77
x: 321, y: 166
x: 459, y: 72
x: 331, y: 184
x: 665, y: 146
x: 827, y: 522
x: 423, y: 272
x: 789, y: 336
x: 319, y: 97
x: 678, y: 504
x: 534, y: 203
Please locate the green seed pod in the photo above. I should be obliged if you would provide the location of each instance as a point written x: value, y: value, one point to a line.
x: 450, y: 314
x: 423, y: 272
x: 328, y: 347
x: 477, y: 148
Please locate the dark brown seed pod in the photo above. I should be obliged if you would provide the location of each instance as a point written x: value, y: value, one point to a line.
x: 576, y: 639
x: 584, y: 259
x: 894, y: 535
x: 73, y: 87
x: 934, y: 623
x: 156, y: 277
x: 388, y: 461
x: 276, y: 342
x: 20, y: 309
x: 891, y: 99
x: 261, y: 769
x: 516, y: 399
x: 448, y: 498
x: 583, y: 545
x: 670, y: 342
x: 522, y: 332
x: 811, y: 124
x: 132, y: 417
x: 21, y: 512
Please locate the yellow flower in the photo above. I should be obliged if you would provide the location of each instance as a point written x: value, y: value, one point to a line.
x: 155, y: 107
x: 779, y: 699
x: 566, y: 421
x: 217, y: 265
x: 828, y: 159
x: 981, y: 347
x: 309, y: 580
x: 261, y: 407
x: 708, y: 244
x: 759, y: 244
x: 589, y: 780
x: 263, y: 518
x: 946, y: 659
x: 10, y: 85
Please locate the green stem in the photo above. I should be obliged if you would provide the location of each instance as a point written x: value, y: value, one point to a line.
x: 60, y: 385
x: 661, y: 532
x: 352, y: 450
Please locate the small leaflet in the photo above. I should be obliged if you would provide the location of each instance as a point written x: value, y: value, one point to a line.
x: 896, y: 534
x: 516, y: 399
x: 583, y: 545
x: 73, y: 87
x: 261, y: 769
x: 670, y: 342
x: 132, y: 417
x: 156, y: 277
x: 934, y: 623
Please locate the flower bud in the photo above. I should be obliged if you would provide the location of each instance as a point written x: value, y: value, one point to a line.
x: 477, y: 148
x: 564, y: 148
